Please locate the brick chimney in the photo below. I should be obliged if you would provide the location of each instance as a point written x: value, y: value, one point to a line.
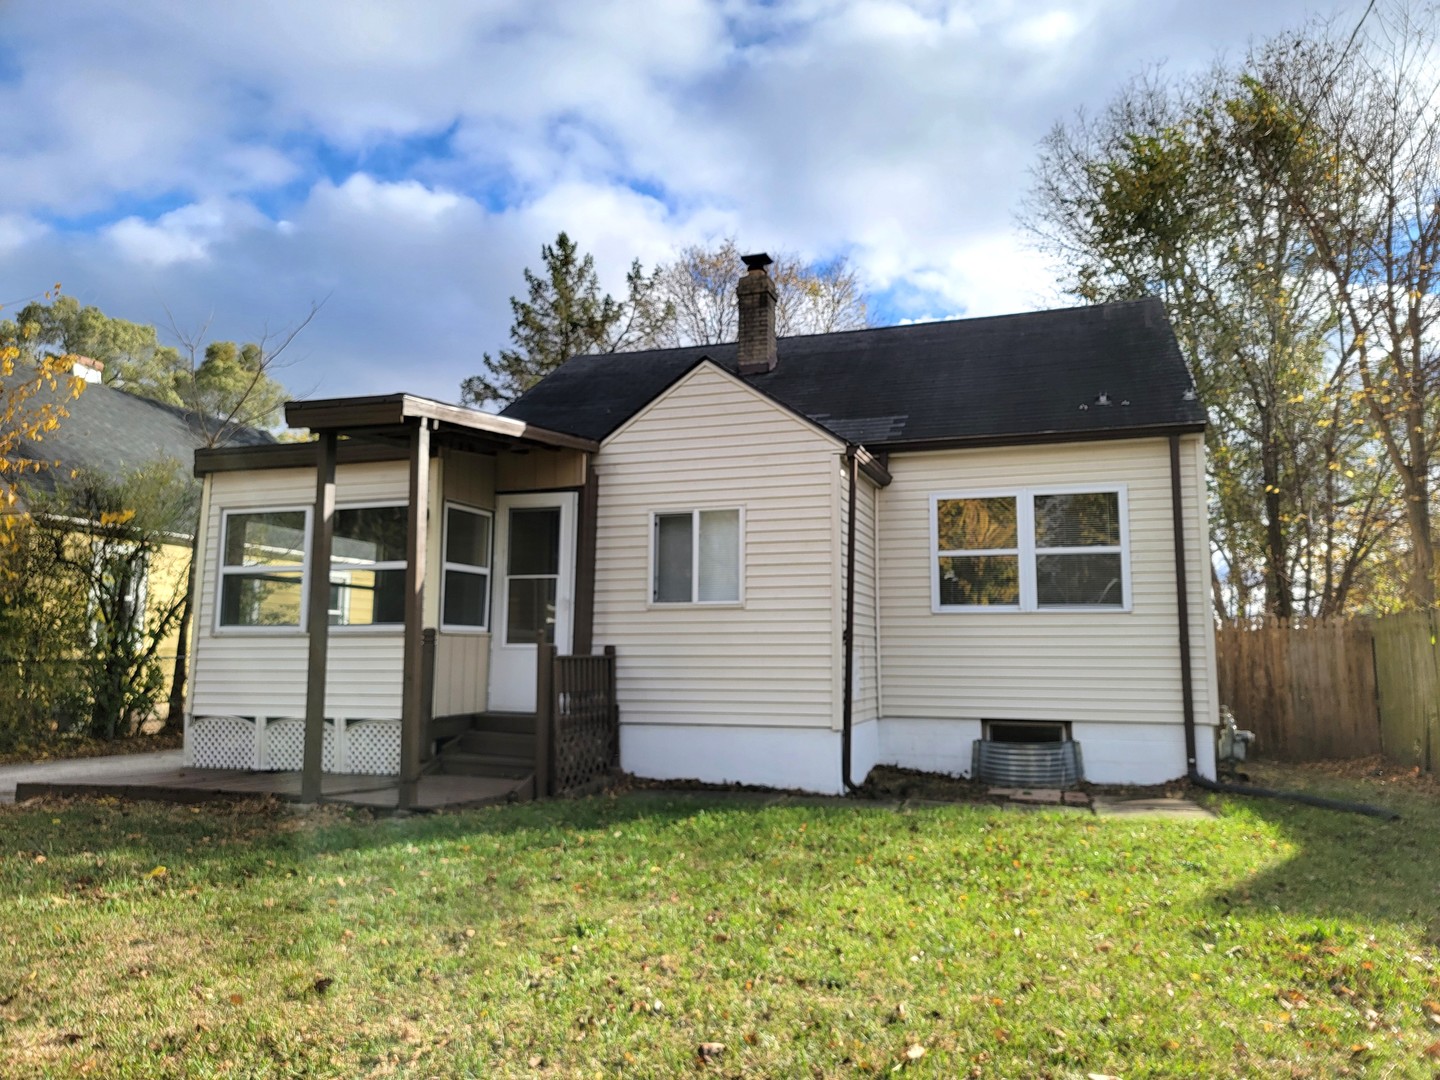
x: 756, y: 350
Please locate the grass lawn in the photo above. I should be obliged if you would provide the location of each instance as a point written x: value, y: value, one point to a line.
x: 613, y: 936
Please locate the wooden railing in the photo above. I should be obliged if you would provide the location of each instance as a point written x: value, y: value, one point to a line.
x: 577, y: 723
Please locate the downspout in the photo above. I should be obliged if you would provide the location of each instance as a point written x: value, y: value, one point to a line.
x: 1187, y: 677
x: 847, y: 712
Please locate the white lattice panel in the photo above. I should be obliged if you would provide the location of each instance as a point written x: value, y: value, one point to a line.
x: 374, y: 747
x: 285, y: 745
x: 222, y: 742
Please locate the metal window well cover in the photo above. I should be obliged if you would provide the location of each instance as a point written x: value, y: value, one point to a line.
x: 1027, y: 765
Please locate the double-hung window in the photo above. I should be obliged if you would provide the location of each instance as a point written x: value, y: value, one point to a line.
x: 695, y: 557
x: 465, y: 591
x: 1031, y: 549
x: 262, y: 567
x: 367, y: 565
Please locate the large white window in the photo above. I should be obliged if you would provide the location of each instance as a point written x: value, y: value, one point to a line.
x: 262, y: 567
x: 465, y: 591
x: 1031, y: 549
x: 264, y: 559
x: 695, y: 557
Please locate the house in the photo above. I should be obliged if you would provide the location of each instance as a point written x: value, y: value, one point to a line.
x: 809, y: 556
x: 110, y: 433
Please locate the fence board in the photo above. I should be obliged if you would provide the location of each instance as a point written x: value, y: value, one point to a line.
x: 1308, y: 692
x: 1407, y: 664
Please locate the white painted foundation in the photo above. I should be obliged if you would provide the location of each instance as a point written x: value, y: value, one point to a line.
x: 808, y: 759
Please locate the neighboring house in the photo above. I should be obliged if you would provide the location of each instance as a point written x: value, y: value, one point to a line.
x: 111, y: 433
x: 1018, y: 485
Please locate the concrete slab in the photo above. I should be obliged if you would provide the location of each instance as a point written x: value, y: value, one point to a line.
x: 1179, y: 809
x: 436, y: 792
x: 82, y: 769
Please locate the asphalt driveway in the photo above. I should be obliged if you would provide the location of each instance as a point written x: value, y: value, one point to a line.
x: 79, y: 770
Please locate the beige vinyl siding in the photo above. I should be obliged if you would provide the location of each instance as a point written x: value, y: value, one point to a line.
x: 258, y: 673
x: 867, y: 698
x: 1045, y: 665
x: 462, y: 659
x: 711, y: 442
x: 540, y: 470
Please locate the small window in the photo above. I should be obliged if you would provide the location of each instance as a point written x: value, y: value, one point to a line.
x: 367, y: 566
x: 979, y: 542
x: 1078, y: 559
x: 696, y: 557
x: 465, y: 591
x: 262, y: 567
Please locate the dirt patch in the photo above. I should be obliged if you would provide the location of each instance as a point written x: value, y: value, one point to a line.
x: 889, y: 782
x: 1371, y: 770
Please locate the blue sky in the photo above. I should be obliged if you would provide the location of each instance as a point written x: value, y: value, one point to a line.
x: 225, y: 166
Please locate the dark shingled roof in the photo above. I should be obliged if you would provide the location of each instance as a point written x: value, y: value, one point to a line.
x: 111, y: 432
x: 1045, y: 375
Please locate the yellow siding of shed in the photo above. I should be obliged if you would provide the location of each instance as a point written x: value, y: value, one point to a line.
x: 712, y: 442
x: 1082, y: 666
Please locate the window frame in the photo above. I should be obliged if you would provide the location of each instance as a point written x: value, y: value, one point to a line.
x: 388, y: 564
x: 654, y: 560
x: 466, y: 568
x: 1029, y: 552
x: 222, y: 628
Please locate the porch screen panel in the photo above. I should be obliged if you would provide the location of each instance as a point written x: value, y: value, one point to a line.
x: 262, y: 568
x: 367, y: 566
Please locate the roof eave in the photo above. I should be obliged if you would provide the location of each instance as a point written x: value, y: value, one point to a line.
x: 397, y: 410
x: 1026, y: 438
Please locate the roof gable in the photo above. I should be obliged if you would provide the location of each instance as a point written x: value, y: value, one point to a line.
x: 1103, y: 371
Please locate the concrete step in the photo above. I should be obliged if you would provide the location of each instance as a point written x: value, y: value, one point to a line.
x: 496, y: 744
x: 459, y: 763
x: 520, y: 723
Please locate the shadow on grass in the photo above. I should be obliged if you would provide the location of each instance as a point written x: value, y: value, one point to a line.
x: 1345, y: 866
x: 41, y: 841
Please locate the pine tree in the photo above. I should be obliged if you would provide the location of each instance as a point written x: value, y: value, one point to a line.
x: 565, y: 315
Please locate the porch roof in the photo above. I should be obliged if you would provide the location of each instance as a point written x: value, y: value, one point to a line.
x: 376, y: 428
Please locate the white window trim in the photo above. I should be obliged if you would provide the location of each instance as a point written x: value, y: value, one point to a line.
x: 466, y: 568
x: 222, y: 629
x: 1027, y: 552
x: 695, y: 512
x: 389, y: 564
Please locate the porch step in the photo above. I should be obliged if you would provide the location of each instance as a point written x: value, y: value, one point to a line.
x: 461, y: 763
x: 518, y: 722
x: 508, y: 744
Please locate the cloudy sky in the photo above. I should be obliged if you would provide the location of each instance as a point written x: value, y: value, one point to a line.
x: 403, y: 162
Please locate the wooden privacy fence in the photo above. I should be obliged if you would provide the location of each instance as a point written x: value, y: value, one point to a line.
x: 577, y: 730
x: 1308, y: 692
x: 1337, y: 688
x: 1407, y: 669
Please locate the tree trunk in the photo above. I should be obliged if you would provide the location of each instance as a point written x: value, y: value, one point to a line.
x: 1278, y: 600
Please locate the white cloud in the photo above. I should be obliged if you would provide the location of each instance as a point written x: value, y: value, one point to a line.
x: 897, y: 132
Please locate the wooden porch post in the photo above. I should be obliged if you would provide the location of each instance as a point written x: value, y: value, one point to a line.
x: 412, y: 709
x: 544, y: 712
x: 322, y: 530
x: 583, y: 635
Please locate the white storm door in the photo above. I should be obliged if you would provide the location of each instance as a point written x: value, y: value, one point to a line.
x: 535, y: 558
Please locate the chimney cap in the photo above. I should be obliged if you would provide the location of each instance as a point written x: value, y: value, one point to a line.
x: 757, y: 262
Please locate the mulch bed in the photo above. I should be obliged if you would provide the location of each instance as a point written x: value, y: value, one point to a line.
x: 68, y: 748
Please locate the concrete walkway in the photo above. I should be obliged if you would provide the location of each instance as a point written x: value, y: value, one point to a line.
x: 97, y: 770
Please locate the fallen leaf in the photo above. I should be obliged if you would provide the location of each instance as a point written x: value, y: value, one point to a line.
x: 536, y: 1061
x: 710, y: 1051
x: 236, y: 999
x: 323, y: 983
x: 915, y: 1053
x: 158, y: 872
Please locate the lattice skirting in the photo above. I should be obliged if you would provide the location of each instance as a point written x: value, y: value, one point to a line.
x: 277, y: 744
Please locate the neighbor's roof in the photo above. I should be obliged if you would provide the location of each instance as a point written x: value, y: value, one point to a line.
x: 1011, y: 378
x: 111, y: 432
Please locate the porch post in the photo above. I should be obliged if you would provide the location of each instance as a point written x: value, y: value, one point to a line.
x: 412, y: 709
x: 322, y: 530
x: 583, y: 635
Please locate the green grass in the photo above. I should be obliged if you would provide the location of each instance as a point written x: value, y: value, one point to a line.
x: 612, y: 936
